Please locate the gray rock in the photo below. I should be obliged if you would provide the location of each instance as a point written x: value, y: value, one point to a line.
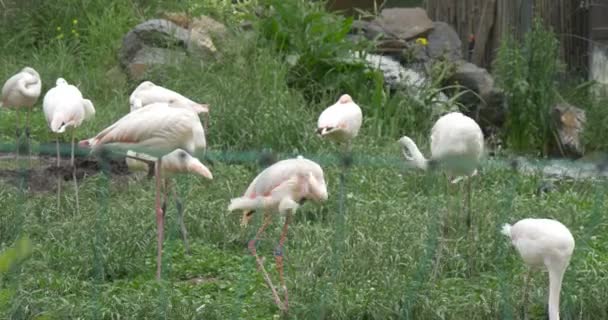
x: 404, y: 23
x: 370, y: 30
x: 570, y: 123
x: 160, y: 41
x: 148, y: 57
x: 398, y: 77
x: 444, y: 41
x: 491, y: 110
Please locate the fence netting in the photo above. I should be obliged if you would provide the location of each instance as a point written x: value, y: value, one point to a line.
x: 391, y: 242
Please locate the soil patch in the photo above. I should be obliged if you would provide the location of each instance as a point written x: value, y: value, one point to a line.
x: 42, y: 177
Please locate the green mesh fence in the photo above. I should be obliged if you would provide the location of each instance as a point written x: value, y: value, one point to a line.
x: 390, y: 243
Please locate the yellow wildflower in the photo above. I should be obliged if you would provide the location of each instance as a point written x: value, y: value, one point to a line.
x: 58, y: 28
x: 422, y: 41
x: 75, y: 21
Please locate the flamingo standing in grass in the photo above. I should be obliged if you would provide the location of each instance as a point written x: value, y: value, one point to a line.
x: 281, y: 188
x: 543, y: 243
x: 64, y: 107
x: 158, y: 130
x: 456, y: 146
x: 340, y: 123
x: 22, y: 91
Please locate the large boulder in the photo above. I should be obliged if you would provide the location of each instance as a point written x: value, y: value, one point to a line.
x: 486, y: 103
x: 398, y: 77
x: 569, y: 122
x: 162, y: 41
x: 443, y: 41
x: 404, y: 23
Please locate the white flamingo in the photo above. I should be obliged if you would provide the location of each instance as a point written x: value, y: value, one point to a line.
x: 544, y: 243
x: 64, y: 107
x: 341, y: 122
x: 22, y: 91
x: 456, y: 145
x: 148, y: 93
x: 157, y: 130
x: 281, y: 188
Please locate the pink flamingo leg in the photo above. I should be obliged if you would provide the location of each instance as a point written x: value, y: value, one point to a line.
x: 278, y: 255
x: 260, y: 263
x: 159, y: 221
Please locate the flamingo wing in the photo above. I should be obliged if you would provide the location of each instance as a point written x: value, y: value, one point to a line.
x: 155, y: 126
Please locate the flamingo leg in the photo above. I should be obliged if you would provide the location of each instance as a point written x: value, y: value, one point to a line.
x: 17, y: 134
x: 278, y: 255
x: 525, y: 297
x: 27, y: 134
x: 180, y: 216
x: 470, y: 231
x: 159, y: 221
x: 74, y: 176
x: 260, y: 263
x: 58, y: 174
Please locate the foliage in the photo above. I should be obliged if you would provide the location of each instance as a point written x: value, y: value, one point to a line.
x: 314, y: 43
x: 527, y: 73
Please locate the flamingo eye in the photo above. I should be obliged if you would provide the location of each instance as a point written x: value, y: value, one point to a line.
x: 182, y: 155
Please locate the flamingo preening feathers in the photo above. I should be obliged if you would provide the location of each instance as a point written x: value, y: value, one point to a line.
x: 64, y: 107
x: 22, y: 91
x: 544, y: 243
x: 281, y: 188
x: 158, y: 130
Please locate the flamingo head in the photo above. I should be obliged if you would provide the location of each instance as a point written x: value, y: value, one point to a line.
x: 345, y: 98
x: 59, y: 123
x: 31, y: 71
x: 180, y: 161
x: 61, y: 82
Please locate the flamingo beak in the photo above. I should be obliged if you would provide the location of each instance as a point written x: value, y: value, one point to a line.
x: 84, y: 143
x: 200, y: 169
x: 201, y: 108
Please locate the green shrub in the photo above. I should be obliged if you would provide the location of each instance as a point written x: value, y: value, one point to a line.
x: 314, y: 44
x: 527, y: 73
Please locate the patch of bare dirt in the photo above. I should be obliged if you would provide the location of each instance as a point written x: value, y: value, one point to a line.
x: 42, y: 177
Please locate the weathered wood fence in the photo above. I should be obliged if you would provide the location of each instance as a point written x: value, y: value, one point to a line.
x: 491, y: 20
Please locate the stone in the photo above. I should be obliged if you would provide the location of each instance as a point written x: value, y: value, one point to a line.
x: 370, y: 30
x: 162, y: 41
x: 404, y: 23
x: 149, y: 57
x: 569, y: 122
x: 397, y: 77
x: 443, y: 41
x: 490, y: 110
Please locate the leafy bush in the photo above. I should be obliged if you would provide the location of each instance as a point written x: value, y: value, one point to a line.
x: 314, y: 43
x: 528, y: 73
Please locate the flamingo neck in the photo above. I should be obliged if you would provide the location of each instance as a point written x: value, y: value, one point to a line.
x: 555, y: 286
x: 417, y: 158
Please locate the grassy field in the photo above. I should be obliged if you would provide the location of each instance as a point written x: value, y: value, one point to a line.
x: 382, y: 257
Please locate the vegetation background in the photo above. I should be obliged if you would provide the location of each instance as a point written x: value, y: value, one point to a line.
x: 377, y: 259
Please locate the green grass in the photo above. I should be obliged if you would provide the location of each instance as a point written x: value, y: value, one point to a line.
x: 375, y: 260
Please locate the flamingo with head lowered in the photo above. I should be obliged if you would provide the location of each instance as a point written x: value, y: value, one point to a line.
x: 65, y: 108
x: 158, y: 130
x: 456, y: 146
x: 22, y: 91
x: 280, y: 188
x: 543, y: 243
